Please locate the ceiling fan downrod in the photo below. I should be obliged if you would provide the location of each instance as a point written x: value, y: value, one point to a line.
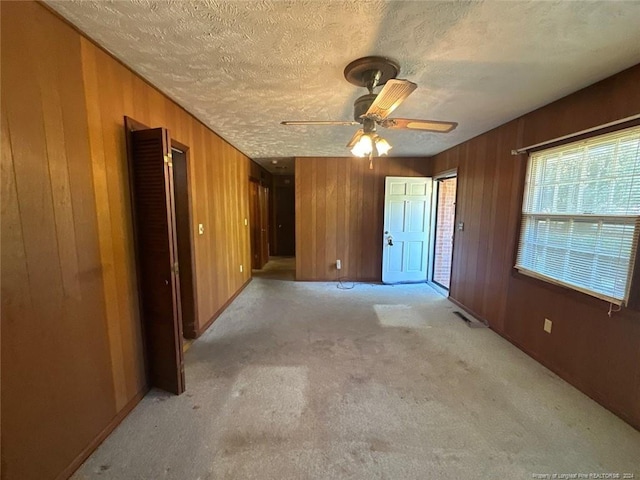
x: 371, y: 79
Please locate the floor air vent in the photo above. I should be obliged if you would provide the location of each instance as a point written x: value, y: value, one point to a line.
x: 470, y: 323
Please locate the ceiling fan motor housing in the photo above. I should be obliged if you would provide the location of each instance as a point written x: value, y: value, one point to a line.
x: 361, y: 105
x: 373, y: 109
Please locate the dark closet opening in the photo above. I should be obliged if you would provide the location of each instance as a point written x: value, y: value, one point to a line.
x: 184, y: 238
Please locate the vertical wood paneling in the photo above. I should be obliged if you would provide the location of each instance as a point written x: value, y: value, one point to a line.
x: 341, y: 196
x: 313, y: 221
x: 17, y: 300
x: 339, y: 215
x: 320, y: 219
x: 346, y: 188
x: 486, y: 169
x: 598, y: 354
x: 357, y: 229
x: 331, y: 217
x: 122, y: 260
x: 69, y: 299
x: 304, y: 205
x: 101, y: 196
x: 371, y: 229
x: 55, y: 352
x: 217, y: 176
x: 489, y: 208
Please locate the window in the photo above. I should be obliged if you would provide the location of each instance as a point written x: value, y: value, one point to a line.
x: 581, y: 215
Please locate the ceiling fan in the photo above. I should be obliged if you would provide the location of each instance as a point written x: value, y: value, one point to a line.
x: 374, y: 109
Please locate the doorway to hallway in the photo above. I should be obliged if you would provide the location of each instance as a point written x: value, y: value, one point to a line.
x: 283, y: 239
x: 278, y: 268
x: 259, y: 221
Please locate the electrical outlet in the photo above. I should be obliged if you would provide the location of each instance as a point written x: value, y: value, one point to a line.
x: 547, y: 325
x: 241, y: 269
x: 201, y: 229
x: 338, y: 264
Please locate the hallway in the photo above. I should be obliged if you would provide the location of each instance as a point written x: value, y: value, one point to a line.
x: 278, y: 268
x: 307, y: 381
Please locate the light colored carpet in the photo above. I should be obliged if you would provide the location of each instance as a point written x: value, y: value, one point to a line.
x: 306, y: 381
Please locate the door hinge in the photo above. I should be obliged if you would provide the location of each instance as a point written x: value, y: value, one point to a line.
x: 168, y: 159
x: 176, y: 268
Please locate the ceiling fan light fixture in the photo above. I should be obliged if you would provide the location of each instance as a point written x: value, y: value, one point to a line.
x: 364, y: 146
x: 382, y: 146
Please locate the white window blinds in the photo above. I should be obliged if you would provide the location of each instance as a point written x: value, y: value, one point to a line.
x: 581, y: 214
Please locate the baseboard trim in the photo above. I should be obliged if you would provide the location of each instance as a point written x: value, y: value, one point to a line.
x: 215, y: 316
x: 120, y: 416
x: 344, y: 279
x: 106, y: 431
x: 600, y: 400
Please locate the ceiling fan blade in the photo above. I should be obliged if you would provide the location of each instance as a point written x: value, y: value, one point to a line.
x: 390, y: 97
x: 318, y: 122
x: 424, y: 125
x: 355, y: 138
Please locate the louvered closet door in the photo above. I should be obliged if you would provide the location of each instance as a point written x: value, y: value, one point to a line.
x: 156, y: 252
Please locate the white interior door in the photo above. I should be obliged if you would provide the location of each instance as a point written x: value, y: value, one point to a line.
x: 407, y: 216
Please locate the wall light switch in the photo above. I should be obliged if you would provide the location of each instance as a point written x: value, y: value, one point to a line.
x: 201, y: 229
x: 241, y: 269
x: 547, y: 325
x: 246, y: 222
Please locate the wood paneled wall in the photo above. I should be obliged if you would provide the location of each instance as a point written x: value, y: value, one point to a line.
x: 72, y: 353
x: 597, y: 354
x: 339, y: 214
x: 58, y: 387
x: 260, y: 174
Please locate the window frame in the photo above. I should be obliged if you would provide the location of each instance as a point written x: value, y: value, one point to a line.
x: 632, y: 295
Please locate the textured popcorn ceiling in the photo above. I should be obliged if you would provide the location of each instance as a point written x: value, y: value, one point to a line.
x: 243, y: 66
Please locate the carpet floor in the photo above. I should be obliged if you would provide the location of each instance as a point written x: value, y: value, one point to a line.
x: 308, y: 381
